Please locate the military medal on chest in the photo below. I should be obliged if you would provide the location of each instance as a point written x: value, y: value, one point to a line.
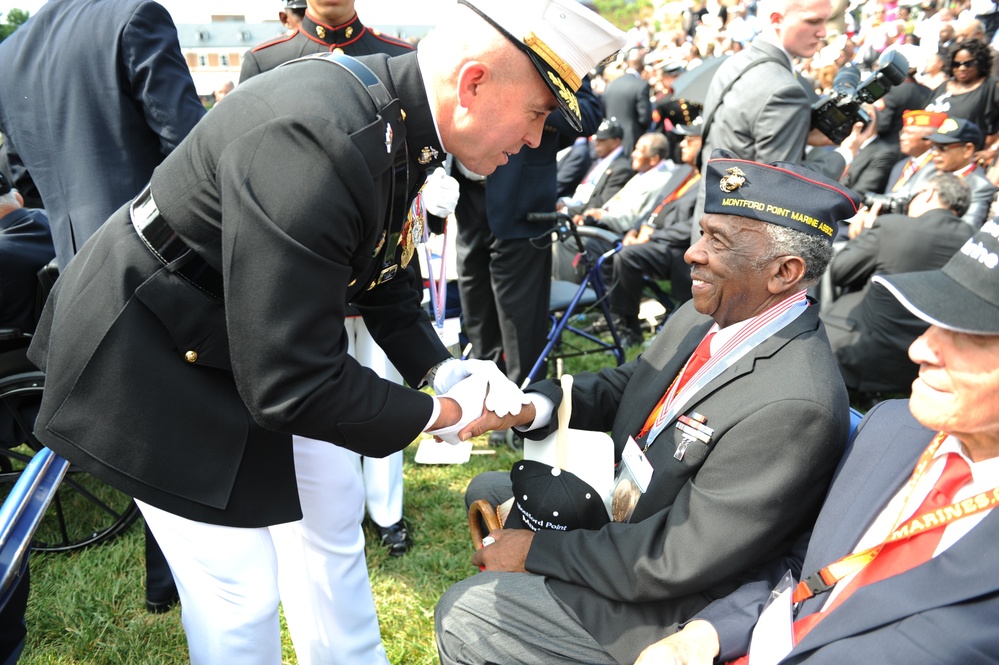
x: 412, y: 231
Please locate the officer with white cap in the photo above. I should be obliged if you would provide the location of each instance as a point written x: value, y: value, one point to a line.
x: 203, y: 325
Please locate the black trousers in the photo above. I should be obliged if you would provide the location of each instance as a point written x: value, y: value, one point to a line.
x: 658, y: 260
x: 505, y: 288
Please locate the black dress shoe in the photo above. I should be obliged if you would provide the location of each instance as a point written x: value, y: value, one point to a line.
x: 395, y: 537
x: 160, y: 602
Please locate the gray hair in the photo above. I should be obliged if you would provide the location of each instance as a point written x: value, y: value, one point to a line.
x: 658, y: 144
x: 952, y: 191
x: 9, y: 199
x: 814, y: 250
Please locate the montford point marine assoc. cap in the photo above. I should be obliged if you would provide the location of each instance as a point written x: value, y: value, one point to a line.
x: 958, y: 130
x: 963, y: 295
x: 546, y: 497
x: 610, y: 128
x: 921, y: 118
x: 781, y: 193
x: 563, y: 39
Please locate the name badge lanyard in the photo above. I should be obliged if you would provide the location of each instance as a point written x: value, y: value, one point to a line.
x: 826, y: 578
x: 438, y: 285
x: 752, y: 335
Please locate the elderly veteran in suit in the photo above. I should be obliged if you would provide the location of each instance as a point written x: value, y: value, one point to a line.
x: 203, y: 325
x: 740, y: 450
x: 900, y: 567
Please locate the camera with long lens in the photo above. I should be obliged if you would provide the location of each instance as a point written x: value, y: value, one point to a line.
x: 896, y: 203
x: 835, y: 114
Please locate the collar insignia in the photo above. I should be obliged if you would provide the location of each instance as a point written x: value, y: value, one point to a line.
x: 348, y: 32
x: 427, y: 155
x: 320, y: 32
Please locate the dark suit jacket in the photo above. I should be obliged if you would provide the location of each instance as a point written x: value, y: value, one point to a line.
x: 608, y: 184
x: 314, y: 36
x: 871, y: 167
x: 943, y: 611
x: 295, y: 240
x: 91, y: 124
x: 25, y: 246
x: 707, y: 521
x: 906, y: 96
x: 572, y: 167
x: 629, y: 99
x: 869, y: 330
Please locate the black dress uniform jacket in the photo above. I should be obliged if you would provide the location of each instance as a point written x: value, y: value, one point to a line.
x: 313, y: 36
x: 188, y: 402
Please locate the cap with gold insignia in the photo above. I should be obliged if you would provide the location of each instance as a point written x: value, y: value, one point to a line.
x: 781, y: 193
x: 958, y: 130
x: 564, y: 40
x: 295, y: 4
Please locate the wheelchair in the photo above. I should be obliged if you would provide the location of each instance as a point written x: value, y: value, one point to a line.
x: 81, y: 510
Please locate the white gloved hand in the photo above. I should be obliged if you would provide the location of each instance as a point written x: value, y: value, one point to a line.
x: 440, y: 193
x: 469, y: 393
x: 504, y: 397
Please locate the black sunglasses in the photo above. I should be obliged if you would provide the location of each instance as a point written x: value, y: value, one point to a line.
x: 967, y: 63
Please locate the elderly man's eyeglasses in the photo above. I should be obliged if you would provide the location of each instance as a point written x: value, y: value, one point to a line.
x: 960, y: 64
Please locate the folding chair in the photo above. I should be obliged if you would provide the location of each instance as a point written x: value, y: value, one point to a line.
x: 569, y: 299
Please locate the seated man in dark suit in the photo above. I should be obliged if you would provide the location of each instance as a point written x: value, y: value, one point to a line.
x: 908, y: 520
x: 25, y: 247
x: 869, y: 330
x: 769, y: 417
x: 610, y: 170
x: 655, y: 247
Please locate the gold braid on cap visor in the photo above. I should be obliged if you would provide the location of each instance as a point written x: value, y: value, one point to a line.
x: 545, y: 52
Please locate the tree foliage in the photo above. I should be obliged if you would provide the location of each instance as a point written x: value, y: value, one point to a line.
x: 624, y: 13
x: 13, y: 20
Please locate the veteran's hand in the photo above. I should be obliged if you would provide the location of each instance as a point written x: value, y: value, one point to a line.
x: 489, y: 421
x: 508, y: 551
x: 696, y: 644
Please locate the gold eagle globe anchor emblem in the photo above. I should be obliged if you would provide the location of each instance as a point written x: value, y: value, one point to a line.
x: 735, y: 179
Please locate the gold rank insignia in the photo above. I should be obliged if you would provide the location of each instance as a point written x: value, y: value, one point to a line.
x: 427, y: 155
x: 348, y: 32
x: 320, y: 32
x: 733, y: 181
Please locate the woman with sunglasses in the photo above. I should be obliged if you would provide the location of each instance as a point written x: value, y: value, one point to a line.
x: 971, y: 92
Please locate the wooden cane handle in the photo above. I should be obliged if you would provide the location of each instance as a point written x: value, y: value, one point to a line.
x: 478, y: 513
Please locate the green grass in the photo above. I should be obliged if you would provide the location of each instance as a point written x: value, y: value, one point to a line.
x: 88, y: 606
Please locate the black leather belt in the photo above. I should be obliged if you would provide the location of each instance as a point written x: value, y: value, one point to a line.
x: 167, y: 246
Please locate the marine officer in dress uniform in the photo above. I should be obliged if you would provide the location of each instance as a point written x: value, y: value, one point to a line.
x: 203, y: 325
x: 322, y: 30
x: 382, y: 486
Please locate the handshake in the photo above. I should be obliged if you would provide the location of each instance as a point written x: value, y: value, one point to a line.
x: 475, y: 397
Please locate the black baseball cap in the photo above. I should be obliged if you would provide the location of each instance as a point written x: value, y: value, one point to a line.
x: 963, y: 296
x: 958, y: 130
x: 546, y: 497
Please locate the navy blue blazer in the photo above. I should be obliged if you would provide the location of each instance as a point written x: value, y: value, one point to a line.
x: 25, y: 246
x: 943, y: 611
x: 93, y: 95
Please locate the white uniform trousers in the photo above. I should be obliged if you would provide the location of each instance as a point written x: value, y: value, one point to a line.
x: 230, y: 580
x: 382, y: 475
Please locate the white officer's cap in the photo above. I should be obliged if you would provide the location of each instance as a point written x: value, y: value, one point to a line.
x: 564, y: 40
